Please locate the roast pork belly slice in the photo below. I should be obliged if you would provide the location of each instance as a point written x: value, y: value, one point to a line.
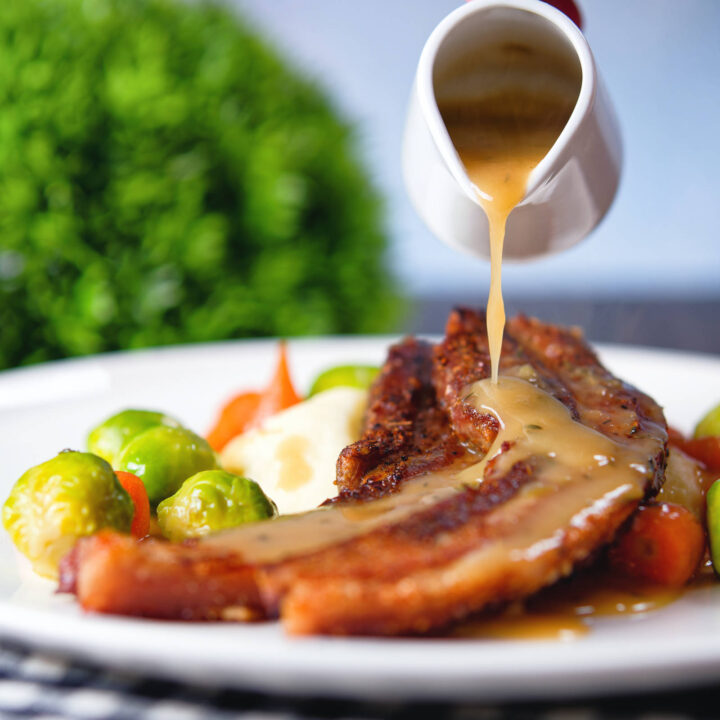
x: 467, y: 552
x: 604, y: 402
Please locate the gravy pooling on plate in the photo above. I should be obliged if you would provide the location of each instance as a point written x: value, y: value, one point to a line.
x: 569, y: 609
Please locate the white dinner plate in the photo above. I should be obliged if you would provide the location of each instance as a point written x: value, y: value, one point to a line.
x: 50, y: 407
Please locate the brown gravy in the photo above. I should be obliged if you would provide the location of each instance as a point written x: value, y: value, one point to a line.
x: 579, y: 469
x: 569, y: 609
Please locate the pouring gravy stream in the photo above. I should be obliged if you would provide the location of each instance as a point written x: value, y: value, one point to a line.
x: 500, y: 139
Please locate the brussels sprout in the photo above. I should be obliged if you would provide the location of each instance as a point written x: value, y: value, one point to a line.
x: 709, y: 426
x: 357, y: 376
x: 164, y: 457
x: 54, y: 503
x: 713, y: 524
x: 210, y: 501
x: 109, y: 438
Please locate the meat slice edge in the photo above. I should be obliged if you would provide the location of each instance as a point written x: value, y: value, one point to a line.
x: 116, y: 574
x: 406, y: 433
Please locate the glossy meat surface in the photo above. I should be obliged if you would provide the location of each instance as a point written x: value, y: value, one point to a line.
x: 463, y: 357
x: 427, y: 564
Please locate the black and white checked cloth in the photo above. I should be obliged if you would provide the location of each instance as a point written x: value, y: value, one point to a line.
x: 41, y: 686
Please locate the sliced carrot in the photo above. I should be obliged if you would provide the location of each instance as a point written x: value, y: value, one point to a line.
x: 235, y: 417
x: 706, y: 450
x: 663, y: 545
x: 249, y: 409
x: 135, y: 488
x: 280, y: 393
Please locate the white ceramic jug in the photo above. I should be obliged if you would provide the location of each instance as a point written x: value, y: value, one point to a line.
x: 571, y: 188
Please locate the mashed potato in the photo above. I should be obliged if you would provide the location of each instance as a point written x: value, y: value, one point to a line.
x: 292, y: 455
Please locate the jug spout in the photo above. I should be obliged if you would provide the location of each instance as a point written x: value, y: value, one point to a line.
x: 501, y: 63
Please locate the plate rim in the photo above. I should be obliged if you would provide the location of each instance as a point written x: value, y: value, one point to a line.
x: 458, y: 681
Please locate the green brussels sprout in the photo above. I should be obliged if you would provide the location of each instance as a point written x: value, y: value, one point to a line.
x: 55, y: 503
x: 356, y: 376
x: 210, y: 501
x: 713, y: 524
x: 109, y: 438
x: 164, y: 457
x: 709, y: 426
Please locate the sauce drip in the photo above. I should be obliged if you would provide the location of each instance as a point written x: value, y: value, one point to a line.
x: 500, y: 137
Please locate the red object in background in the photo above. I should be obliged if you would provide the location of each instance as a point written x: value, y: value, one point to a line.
x: 569, y: 8
x: 706, y: 450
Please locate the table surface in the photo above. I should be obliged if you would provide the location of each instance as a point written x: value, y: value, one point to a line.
x: 692, y: 325
x: 34, y: 684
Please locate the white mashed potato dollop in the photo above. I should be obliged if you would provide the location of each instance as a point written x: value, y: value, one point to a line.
x: 292, y: 456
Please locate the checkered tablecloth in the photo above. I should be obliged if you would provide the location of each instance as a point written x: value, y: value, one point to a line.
x: 41, y: 686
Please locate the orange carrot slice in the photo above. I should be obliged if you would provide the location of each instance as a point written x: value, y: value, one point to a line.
x: 663, y: 545
x: 135, y: 488
x: 235, y: 417
x: 706, y: 450
x: 280, y: 393
x: 249, y: 409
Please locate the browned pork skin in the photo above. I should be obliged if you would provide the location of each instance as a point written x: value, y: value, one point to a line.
x: 464, y: 357
x: 604, y: 402
x: 405, y: 434
x: 113, y: 573
x: 440, y: 563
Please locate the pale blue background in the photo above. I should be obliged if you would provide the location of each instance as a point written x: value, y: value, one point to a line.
x: 661, y: 63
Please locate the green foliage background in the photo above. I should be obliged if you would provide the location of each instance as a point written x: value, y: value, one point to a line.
x: 166, y: 178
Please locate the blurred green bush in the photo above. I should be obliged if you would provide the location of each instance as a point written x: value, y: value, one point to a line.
x: 165, y: 177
